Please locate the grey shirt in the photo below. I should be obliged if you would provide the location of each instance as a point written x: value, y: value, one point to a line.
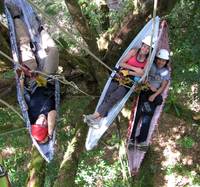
x: 158, y: 75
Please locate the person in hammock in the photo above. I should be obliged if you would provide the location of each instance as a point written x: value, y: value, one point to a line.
x: 150, y: 98
x: 42, y: 112
x: 132, y: 65
x: 39, y: 98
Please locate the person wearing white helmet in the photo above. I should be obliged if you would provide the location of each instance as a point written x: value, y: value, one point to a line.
x: 150, y: 98
x: 131, y: 67
x: 148, y: 40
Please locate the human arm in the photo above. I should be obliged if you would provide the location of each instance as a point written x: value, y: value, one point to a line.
x: 159, y: 90
x: 134, y: 71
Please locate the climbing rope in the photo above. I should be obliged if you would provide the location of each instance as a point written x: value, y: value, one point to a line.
x: 56, y: 77
x: 150, y: 52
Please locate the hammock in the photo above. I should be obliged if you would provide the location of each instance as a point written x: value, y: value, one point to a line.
x: 32, y: 22
x: 135, y: 156
x: 94, y: 135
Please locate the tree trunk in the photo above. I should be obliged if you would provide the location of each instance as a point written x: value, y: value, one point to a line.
x: 4, y: 40
x: 82, y: 26
x: 36, y: 176
x: 69, y: 165
x: 132, y: 24
x: 4, y: 46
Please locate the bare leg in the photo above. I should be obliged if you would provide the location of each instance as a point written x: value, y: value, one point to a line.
x: 51, y: 121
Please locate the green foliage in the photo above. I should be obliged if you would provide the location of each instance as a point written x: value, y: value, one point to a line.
x: 171, y: 103
x: 16, y: 145
x: 7, y: 75
x: 8, y: 117
x: 116, y: 17
x: 52, y: 8
x: 184, y: 171
x: 186, y: 142
x: 92, y: 14
x: 184, y: 22
x: 17, y: 165
x: 95, y: 169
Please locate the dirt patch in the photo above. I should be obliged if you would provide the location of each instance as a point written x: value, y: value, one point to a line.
x: 169, y: 152
x: 173, y: 151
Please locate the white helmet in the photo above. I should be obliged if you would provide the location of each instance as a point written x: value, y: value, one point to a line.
x: 163, y: 53
x: 147, y: 40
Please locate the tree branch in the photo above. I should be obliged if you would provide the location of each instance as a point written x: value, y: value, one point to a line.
x: 96, y: 69
x: 69, y: 165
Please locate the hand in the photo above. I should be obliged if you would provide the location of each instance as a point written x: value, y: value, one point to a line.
x: 124, y: 72
x: 152, y: 98
x: 153, y: 89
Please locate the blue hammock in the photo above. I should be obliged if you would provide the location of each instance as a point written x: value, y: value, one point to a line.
x: 94, y: 135
x: 32, y: 22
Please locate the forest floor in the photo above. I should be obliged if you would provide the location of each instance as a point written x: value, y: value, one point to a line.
x: 174, y: 156
x: 177, y: 149
x: 172, y: 159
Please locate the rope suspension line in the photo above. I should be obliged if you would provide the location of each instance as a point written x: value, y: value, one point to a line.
x: 56, y: 77
x: 152, y: 37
